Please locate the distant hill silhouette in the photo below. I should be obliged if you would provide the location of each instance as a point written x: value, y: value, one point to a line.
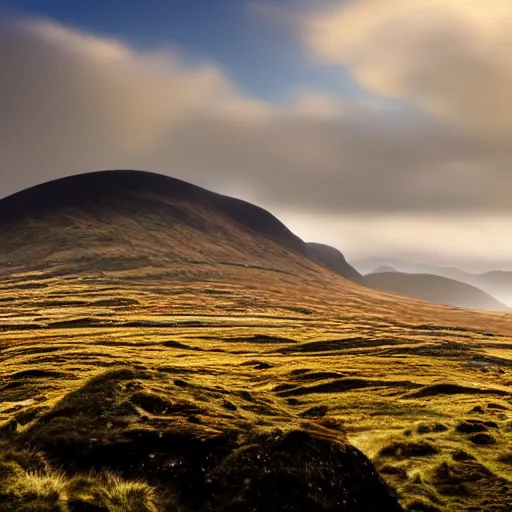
x: 333, y: 259
x: 433, y: 288
x: 375, y: 264
x: 497, y: 283
x: 384, y: 268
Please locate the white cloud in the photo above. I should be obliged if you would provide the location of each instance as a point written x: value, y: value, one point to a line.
x: 453, y: 58
x: 472, y: 242
x: 73, y: 102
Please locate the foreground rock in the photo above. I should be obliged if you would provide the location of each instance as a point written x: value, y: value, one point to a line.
x: 125, y: 438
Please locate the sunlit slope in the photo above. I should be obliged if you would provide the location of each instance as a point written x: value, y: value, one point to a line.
x: 146, y: 235
x: 141, y: 323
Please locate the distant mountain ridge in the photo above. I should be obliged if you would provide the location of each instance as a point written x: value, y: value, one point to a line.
x: 384, y: 268
x: 497, y: 283
x: 434, y: 288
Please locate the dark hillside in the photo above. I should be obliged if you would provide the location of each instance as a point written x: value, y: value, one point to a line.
x: 333, y: 259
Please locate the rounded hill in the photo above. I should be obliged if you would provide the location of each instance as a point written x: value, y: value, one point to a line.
x: 134, y: 192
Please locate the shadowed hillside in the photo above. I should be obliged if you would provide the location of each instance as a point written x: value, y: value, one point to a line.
x: 111, y: 211
x: 333, y: 258
x: 164, y: 348
x: 434, y: 289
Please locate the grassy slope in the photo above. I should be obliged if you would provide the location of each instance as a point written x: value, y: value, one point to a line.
x: 229, y: 335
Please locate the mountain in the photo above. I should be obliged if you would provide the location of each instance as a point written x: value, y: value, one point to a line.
x: 426, y: 287
x: 497, y: 283
x: 168, y: 348
x: 130, y: 211
x: 132, y: 226
x: 372, y: 265
x: 384, y: 268
x: 333, y: 259
x: 434, y: 289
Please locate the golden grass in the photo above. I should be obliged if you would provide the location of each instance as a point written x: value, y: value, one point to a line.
x: 95, y: 356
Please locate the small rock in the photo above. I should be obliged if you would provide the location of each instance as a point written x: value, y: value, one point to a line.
x: 247, y: 396
x: 460, y: 455
x: 229, y: 406
x: 257, y: 365
x: 482, y: 439
x: 427, y: 428
x: 262, y: 366
x: 468, y: 427
x: 316, y: 412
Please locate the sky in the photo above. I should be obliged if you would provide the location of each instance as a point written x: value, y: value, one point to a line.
x: 380, y: 127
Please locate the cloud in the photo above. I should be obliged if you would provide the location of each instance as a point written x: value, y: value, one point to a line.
x: 452, y: 58
x: 71, y: 100
x: 471, y: 242
x: 74, y: 102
